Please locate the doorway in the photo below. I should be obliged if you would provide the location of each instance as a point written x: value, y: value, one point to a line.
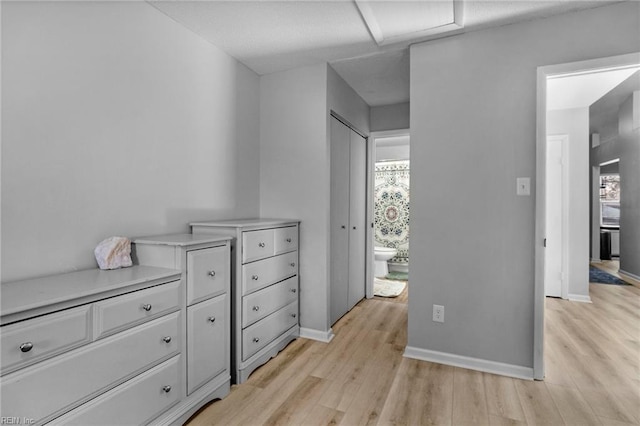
x: 388, y: 207
x: 544, y: 74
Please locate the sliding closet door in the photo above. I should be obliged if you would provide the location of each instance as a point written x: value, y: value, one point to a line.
x: 340, y: 152
x: 357, y: 217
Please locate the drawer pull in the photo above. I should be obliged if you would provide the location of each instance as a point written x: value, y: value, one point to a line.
x: 288, y: 240
x: 256, y: 308
x: 261, y: 244
x: 256, y: 340
x: 26, y: 347
x: 293, y: 264
x: 255, y: 278
x: 212, y: 274
x: 294, y: 315
x: 166, y: 388
x: 146, y: 307
x: 167, y: 339
x: 293, y: 290
x: 211, y: 319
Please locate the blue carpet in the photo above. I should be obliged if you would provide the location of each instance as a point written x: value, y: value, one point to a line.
x: 601, y: 277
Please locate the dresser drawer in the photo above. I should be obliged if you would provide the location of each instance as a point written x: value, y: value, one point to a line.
x: 207, y: 342
x: 257, y: 245
x: 64, y: 381
x: 285, y: 239
x: 135, y: 402
x: 268, y: 300
x: 264, y: 331
x: 33, y: 340
x: 117, y: 313
x: 265, y: 272
x: 207, y: 273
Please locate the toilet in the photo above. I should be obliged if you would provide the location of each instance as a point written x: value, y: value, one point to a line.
x: 381, y: 257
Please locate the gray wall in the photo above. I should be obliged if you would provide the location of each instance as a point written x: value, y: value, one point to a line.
x: 575, y: 124
x: 294, y: 168
x: 626, y: 147
x: 473, y: 122
x: 390, y: 117
x: 116, y: 121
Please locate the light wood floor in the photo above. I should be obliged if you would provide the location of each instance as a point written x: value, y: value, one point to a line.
x: 612, y: 267
x: 592, y: 356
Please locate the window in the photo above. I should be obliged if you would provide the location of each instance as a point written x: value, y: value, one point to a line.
x: 610, y: 200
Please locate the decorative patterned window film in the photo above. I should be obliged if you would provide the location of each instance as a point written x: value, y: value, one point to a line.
x: 610, y: 200
x: 391, y: 210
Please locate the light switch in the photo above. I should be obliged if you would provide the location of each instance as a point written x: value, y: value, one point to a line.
x: 523, y: 186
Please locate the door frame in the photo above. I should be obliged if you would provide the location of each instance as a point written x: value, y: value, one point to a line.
x: 543, y: 72
x: 371, y: 181
x: 564, y: 140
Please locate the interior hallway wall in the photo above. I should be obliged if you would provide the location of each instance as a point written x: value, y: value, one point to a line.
x: 116, y: 121
x: 294, y: 169
x: 473, y: 132
x: 626, y: 147
x: 575, y: 123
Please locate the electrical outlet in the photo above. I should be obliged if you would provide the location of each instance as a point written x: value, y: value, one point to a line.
x: 438, y: 313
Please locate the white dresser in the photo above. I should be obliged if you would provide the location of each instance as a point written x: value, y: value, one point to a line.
x: 205, y: 264
x: 265, y: 315
x: 95, y: 347
x: 138, y: 345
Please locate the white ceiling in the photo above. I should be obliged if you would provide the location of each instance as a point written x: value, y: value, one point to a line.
x: 366, y: 41
x: 582, y: 90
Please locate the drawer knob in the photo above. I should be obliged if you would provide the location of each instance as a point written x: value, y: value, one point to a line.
x: 293, y: 290
x: 256, y: 340
x: 255, y: 278
x: 26, y: 347
x: 211, y: 319
x: 294, y: 315
x: 256, y: 308
x: 293, y: 264
x: 212, y: 274
x: 261, y: 244
x: 146, y: 307
x: 288, y: 240
x: 166, y: 388
x: 167, y: 339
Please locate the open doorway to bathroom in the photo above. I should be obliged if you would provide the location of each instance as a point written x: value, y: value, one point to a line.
x: 390, y: 208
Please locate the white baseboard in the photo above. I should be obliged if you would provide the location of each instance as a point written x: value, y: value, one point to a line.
x: 321, y: 336
x: 596, y: 261
x: 579, y: 298
x: 478, y: 364
x: 628, y: 275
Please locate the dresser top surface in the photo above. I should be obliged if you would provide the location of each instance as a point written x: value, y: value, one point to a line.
x: 181, y: 240
x: 243, y: 223
x: 59, y: 291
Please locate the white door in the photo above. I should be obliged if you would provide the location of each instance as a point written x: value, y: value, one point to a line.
x: 339, y: 219
x: 357, y: 217
x: 554, y: 256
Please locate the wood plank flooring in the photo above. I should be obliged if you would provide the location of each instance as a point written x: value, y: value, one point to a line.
x: 592, y: 357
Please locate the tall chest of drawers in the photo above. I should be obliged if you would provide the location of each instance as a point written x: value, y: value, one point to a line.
x: 265, y: 280
x: 205, y: 264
